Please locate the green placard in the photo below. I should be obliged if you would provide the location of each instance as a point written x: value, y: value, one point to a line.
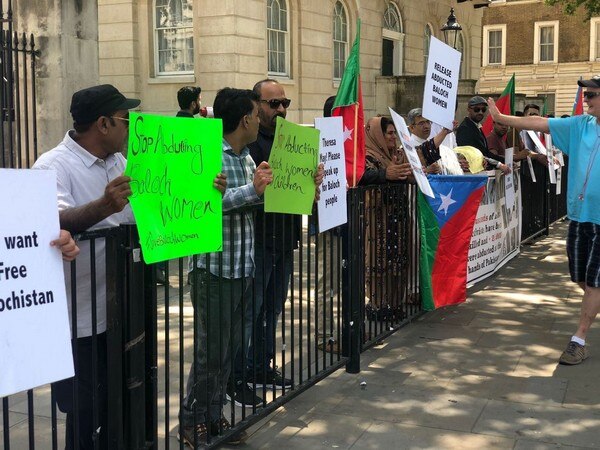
x: 172, y: 163
x: 294, y: 159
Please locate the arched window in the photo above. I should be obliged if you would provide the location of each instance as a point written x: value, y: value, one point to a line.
x: 277, y: 38
x: 173, y: 37
x: 340, y: 39
x: 392, y: 51
x: 460, y: 46
x: 426, y: 40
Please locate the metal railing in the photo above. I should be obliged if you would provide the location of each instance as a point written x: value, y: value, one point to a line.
x: 18, y: 56
x: 349, y: 288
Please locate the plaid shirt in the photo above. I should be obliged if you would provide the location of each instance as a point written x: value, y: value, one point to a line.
x: 237, y: 258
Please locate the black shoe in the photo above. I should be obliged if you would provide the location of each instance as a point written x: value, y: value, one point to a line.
x: 193, y: 436
x: 272, y: 379
x: 222, y: 426
x: 243, y: 395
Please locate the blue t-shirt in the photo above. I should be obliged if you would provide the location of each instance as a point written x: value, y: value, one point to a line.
x: 579, y: 138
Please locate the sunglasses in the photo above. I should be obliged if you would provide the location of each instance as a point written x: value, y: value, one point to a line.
x: 275, y: 103
x: 479, y: 109
x: 589, y: 95
x: 124, y: 119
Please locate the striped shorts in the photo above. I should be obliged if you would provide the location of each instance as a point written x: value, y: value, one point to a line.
x: 583, y: 250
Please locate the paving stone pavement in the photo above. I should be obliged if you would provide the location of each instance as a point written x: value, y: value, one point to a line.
x: 480, y: 375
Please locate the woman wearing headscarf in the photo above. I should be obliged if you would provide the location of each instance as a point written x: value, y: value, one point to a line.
x: 386, y: 237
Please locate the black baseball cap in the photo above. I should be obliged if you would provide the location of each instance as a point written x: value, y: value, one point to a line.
x: 90, y: 103
x: 593, y: 83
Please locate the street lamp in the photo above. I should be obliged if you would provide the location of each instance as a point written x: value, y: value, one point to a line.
x: 451, y: 27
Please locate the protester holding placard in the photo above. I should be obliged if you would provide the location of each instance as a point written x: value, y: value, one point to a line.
x: 579, y: 138
x: 420, y: 129
x: 277, y: 236
x: 222, y: 282
x: 92, y: 193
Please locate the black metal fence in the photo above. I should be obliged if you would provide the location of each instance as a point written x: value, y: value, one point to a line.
x: 541, y: 205
x: 18, y: 135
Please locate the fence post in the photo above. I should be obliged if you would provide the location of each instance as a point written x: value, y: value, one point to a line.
x: 134, y: 345
x: 115, y: 295
x: 353, y: 263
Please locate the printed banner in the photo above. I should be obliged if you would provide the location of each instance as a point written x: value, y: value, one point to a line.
x: 172, y: 163
x: 441, y: 83
x: 294, y: 159
x: 35, y: 339
x: 332, y: 205
x: 497, y: 231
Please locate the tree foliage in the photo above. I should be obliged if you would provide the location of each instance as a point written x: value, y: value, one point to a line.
x: 592, y: 7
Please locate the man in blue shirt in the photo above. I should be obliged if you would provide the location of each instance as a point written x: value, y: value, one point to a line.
x: 579, y: 138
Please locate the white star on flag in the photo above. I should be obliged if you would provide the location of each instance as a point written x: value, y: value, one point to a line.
x: 446, y: 202
x: 347, y: 133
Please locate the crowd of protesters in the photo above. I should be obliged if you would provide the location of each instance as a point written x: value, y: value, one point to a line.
x: 93, y: 193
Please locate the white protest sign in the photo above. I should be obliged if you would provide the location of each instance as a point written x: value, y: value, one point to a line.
x: 332, y: 204
x: 35, y: 339
x: 411, y: 154
x: 532, y: 173
x: 539, y: 147
x: 509, y: 183
x: 441, y: 83
x: 550, y: 158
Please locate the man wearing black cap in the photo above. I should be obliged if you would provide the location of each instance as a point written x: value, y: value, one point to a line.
x: 579, y: 138
x: 92, y: 193
x: 469, y: 133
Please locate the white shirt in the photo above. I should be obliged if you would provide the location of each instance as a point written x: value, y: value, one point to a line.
x: 450, y: 139
x: 81, y: 178
x: 449, y: 162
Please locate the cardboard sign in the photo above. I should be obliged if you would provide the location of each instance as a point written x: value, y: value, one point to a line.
x: 294, y: 159
x: 172, y: 163
x: 411, y: 154
x: 441, y: 83
x: 509, y: 183
x: 35, y: 339
x: 332, y: 205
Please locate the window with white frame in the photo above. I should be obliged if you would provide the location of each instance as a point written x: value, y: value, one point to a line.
x: 277, y: 38
x: 546, y: 42
x: 426, y: 41
x: 460, y: 46
x: 173, y: 37
x: 595, y: 39
x: 392, y: 53
x: 340, y: 40
x: 494, y: 45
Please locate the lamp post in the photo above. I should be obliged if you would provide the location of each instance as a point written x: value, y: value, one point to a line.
x: 451, y: 27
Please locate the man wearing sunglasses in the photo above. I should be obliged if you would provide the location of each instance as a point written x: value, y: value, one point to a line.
x: 277, y: 236
x: 579, y: 138
x: 469, y: 132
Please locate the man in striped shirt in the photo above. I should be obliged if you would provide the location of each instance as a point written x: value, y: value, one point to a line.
x: 222, y: 282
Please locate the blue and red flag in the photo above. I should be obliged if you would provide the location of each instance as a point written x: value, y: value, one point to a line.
x: 446, y: 224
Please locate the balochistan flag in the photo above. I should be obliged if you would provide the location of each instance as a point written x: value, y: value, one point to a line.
x: 578, y: 103
x: 505, y: 103
x: 349, y: 105
x: 446, y: 223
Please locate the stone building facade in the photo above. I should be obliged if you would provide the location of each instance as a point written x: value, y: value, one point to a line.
x: 547, y: 51
x: 151, y: 48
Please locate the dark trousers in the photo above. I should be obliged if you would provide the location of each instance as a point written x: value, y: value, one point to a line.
x: 88, y: 387
x: 217, y: 318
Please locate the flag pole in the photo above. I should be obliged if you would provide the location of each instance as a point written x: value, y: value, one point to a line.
x: 355, y: 143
